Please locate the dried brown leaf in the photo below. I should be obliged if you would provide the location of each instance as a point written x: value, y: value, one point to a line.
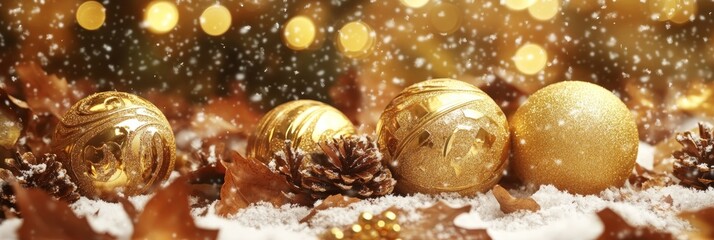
x: 47, y: 218
x: 334, y: 201
x: 45, y: 93
x: 437, y: 222
x: 167, y: 215
x: 249, y: 181
x: 511, y: 204
x: 644, y: 178
x: 702, y: 221
x: 45, y: 98
x: 617, y: 228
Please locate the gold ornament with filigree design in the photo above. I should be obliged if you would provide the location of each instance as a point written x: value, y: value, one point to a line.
x: 115, y: 141
x: 304, y: 123
x: 444, y: 135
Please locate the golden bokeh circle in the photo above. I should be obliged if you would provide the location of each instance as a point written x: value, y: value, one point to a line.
x: 91, y: 15
x: 215, y: 20
x: 445, y: 18
x: 544, y: 10
x: 414, y: 3
x: 575, y: 135
x: 355, y: 39
x: 161, y: 16
x: 299, y: 33
x: 115, y: 141
x: 519, y: 4
x: 530, y: 58
x: 444, y: 135
x: 686, y: 9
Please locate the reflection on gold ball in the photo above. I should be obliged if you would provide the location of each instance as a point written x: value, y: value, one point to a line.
x: 303, y: 122
x: 575, y: 135
x: 115, y: 141
x: 444, y: 135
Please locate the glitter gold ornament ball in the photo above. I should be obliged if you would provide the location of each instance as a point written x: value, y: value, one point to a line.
x: 575, y: 135
x: 444, y: 135
x: 303, y: 122
x: 115, y: 141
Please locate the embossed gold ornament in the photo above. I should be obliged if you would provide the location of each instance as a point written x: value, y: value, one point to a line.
x: 575, y: 135
x: 115, y: 141
x: 444, y: 135
x: 303, y: 122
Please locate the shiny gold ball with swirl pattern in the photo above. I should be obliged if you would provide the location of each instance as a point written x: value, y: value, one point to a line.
x: 444, y: 135
x: 303, y: 122
x: 115, y: 141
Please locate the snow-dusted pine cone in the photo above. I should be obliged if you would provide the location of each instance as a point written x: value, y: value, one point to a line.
x: 45, y: 173
x: 694, y: 163
x: 351, y: 166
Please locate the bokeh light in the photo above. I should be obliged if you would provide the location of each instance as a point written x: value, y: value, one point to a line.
x: 91, y: 15
x: 678, y: 11
x: 519, y: 4
x: 414, y: 3
x: 544, y: 10
x: 161, y: 17
x: 686, y: 10
x: 215, y: 20
x: 445, y: 18
x: 530, y: 59
x: 299, y: 33
x: 355, y: 39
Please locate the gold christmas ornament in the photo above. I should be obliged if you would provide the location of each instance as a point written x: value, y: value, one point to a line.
x: 113, y: 141
x: 575, y: 135
x: 444, y: 135
x: 303, y: 122
x: 10, y: 127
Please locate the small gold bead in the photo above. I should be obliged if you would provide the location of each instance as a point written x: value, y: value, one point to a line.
x: 356, y: 228
x: 390, y: 215
x: 396, y: 228
x: 381, y: 224
x: 337, y: 233
x: 366, y: 216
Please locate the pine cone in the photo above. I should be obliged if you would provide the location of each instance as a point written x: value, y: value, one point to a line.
x: 45, y: 173
x: 351, y: 166
x: 694, y: 163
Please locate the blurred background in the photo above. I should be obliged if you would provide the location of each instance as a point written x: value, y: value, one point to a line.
x: 214, y: 67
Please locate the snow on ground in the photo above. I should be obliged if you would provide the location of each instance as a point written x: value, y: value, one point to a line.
x: 562, y: 215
